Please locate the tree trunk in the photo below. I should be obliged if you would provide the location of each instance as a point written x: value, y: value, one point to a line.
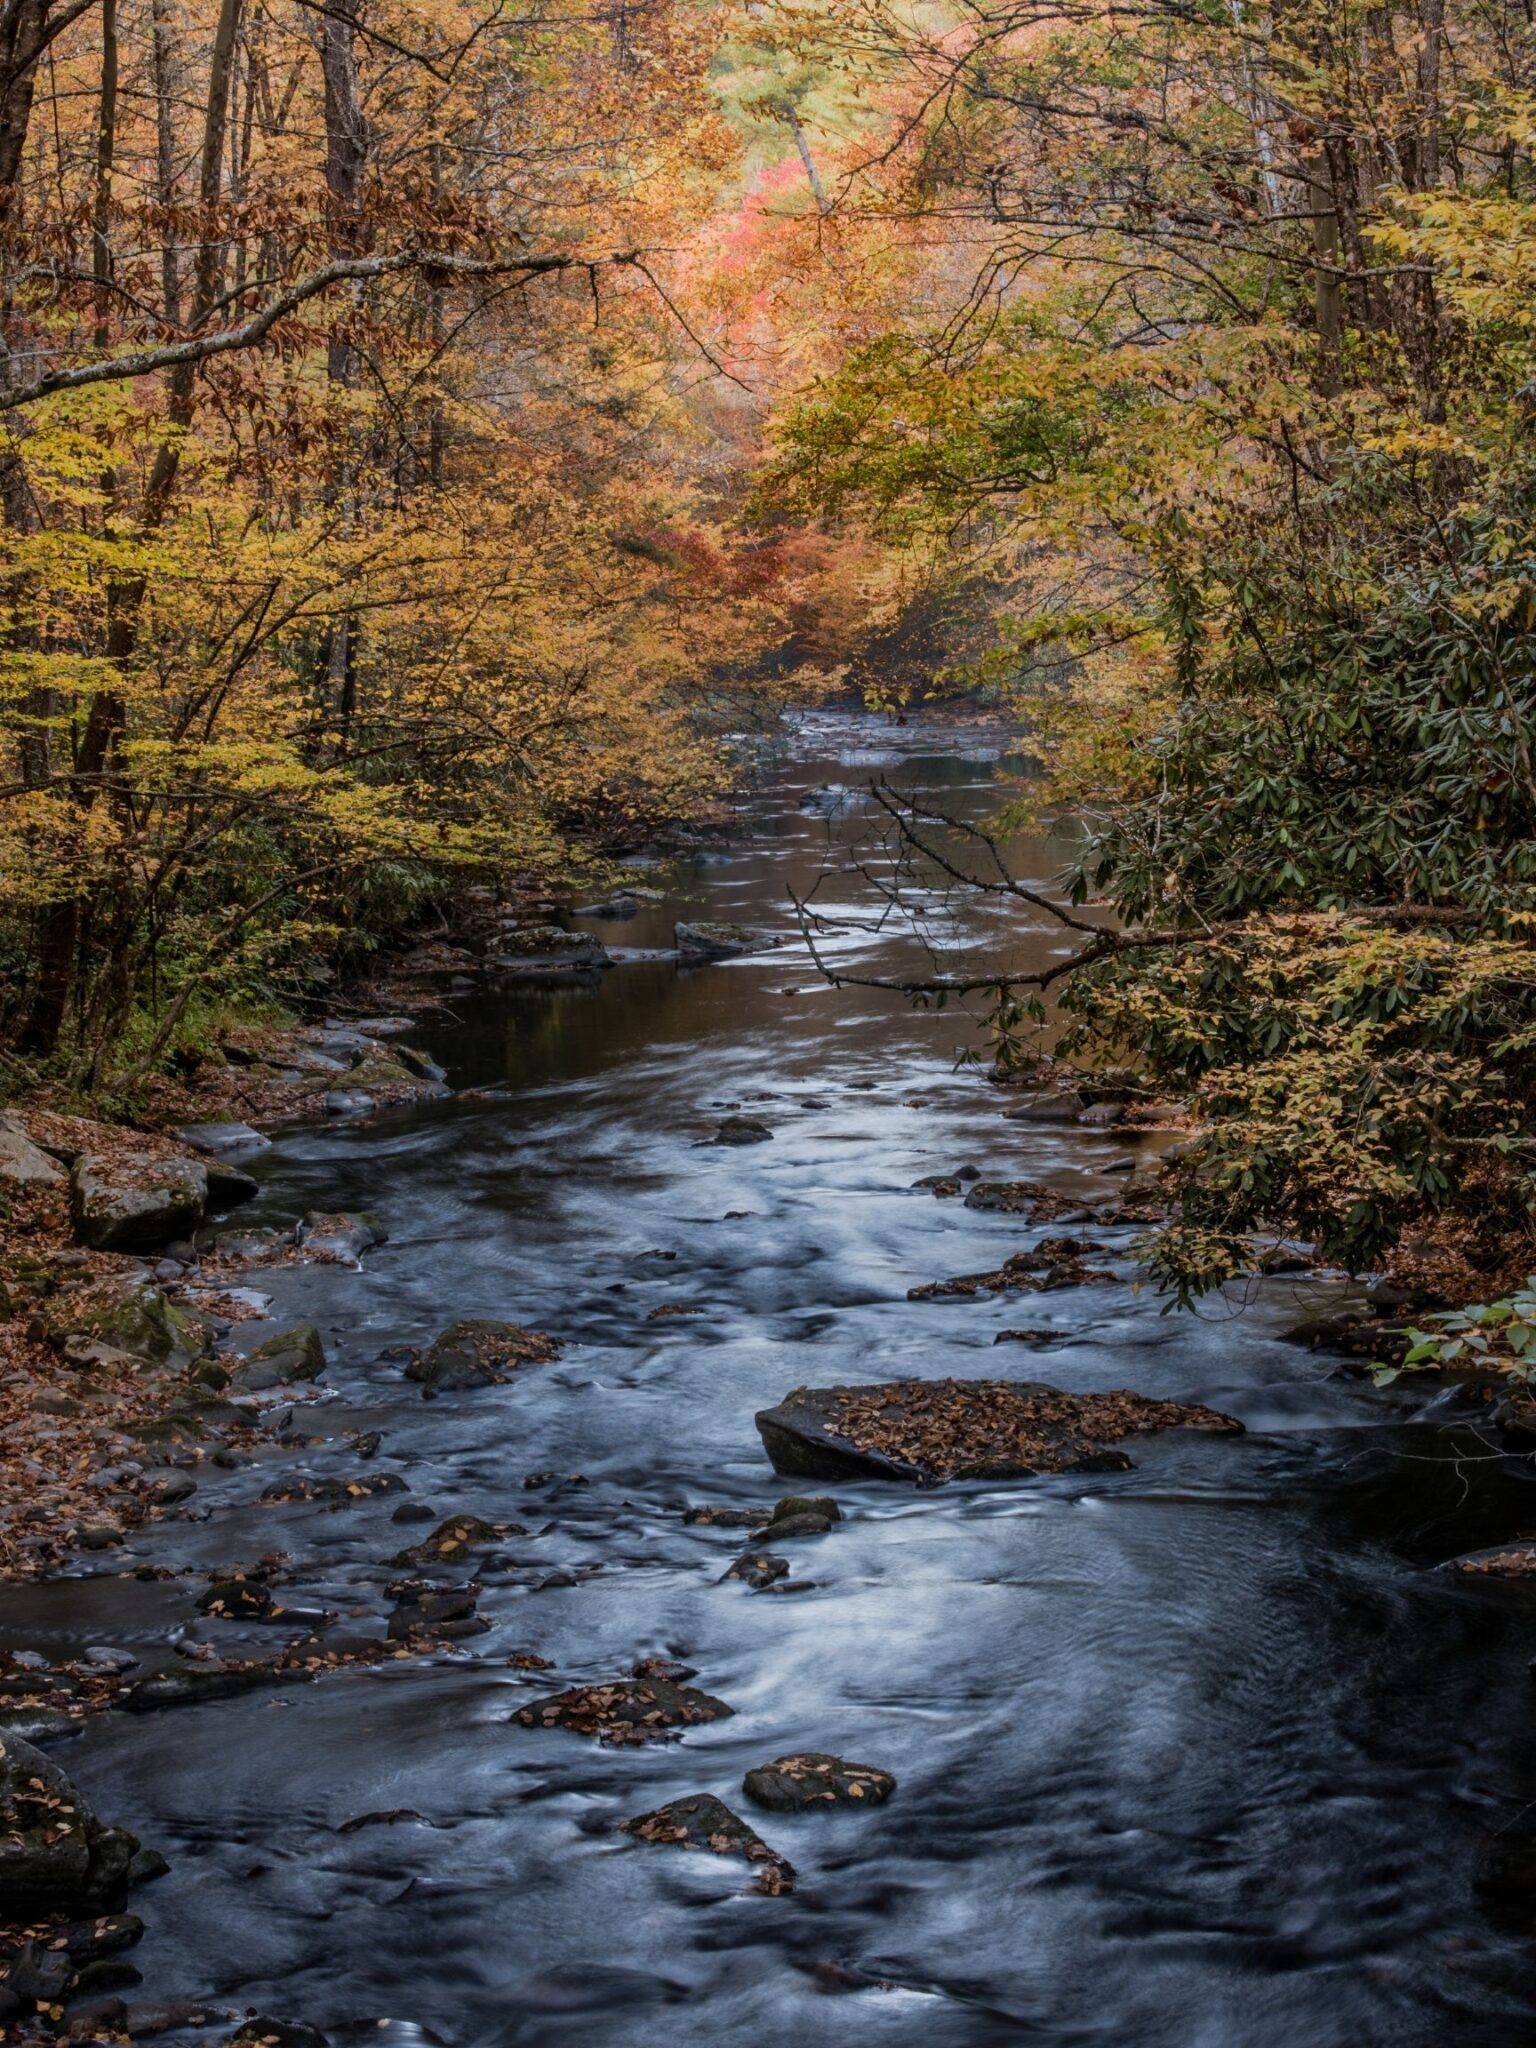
x: 165, y: 159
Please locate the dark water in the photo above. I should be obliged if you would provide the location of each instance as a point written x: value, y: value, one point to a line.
x: 1202, y: 1755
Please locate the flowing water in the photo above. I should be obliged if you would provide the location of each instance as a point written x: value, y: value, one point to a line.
x: 1201, y: 1755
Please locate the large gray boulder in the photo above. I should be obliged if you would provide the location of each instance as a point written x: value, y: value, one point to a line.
x: 135, y: 1201
x: 546, y: 952
x: 930, y: 1431
x: 21, y: 1160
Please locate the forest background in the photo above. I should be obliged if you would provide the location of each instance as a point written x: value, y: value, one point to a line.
x: 429, y: 430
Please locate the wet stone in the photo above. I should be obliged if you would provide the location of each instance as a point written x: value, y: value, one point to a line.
x: 742, y: 1130
x: 263, y: 2032
x: 1054, y: 1263
x: 709, y: 939
x: 338, y: 1237
x: 930, y: 1431
x: 812, y: 1780
x: 1505, y: 1561
x: 479, y: 1353
x: 1026, y: 1198
x: 801, y: 1514
x: 668, y: 1668
x: 757, y: 1569
x: 704, y: 1822
x: 192, y: 1688
x: 237, y: 1599
x: 292, y: 1355
x: 455, y: 1539
x: 624, y: 1710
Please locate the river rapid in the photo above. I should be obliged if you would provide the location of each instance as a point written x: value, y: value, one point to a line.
x: 1200, y: 1755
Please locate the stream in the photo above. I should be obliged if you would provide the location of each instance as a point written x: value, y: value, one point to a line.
x: 1204, y: 1754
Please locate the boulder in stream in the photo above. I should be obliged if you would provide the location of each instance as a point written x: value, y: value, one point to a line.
x: 292, y: 1355
x: 451, y: 1542
x: 1054, y: 1263
x: 479, y: 1353
x: 711, y: 940
x: 702, y: 1821
x: 222, y: 1140
x: 53, y: 1849
x: 624, y: 1710
x: 743, y: 1130
x: 134, y: 1201
x: 1504, y: 1561
x: 930, y: 1431
x: 813, y: 1780
x: 1027, y: 1198
x: 546, y: 952
x: 338, y: 1237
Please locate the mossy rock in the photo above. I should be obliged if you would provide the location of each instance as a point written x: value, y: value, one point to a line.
x: 292, y: 1355
x: 479, y: 1353
x: 134, y: 1203
x: 53, y: 1849
x: 141, y: 1321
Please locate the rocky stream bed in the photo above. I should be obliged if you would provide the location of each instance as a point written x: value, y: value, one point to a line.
x: 663, y: 1506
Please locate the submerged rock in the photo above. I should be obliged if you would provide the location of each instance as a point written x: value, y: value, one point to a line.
x: 619, y: 908
x: 190, y: 1688
x: 800, y: 1784
x: 930, y: 1431
x: 479, y: 1353
x: 1027, y: 1198
x: 451, y: 1542
x: 1054, y: 1263
x: 624, y: 1710
x: 135, y: 1201
x: 262, y: 2032
x: 743, y: 1130
x: 709, y: 940
x: 704, y: 1822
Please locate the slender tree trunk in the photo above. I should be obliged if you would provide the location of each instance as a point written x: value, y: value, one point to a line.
x: 165, y: 158
x: 101, y: 202
x: 346, y: 155
x: 823, y: 204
